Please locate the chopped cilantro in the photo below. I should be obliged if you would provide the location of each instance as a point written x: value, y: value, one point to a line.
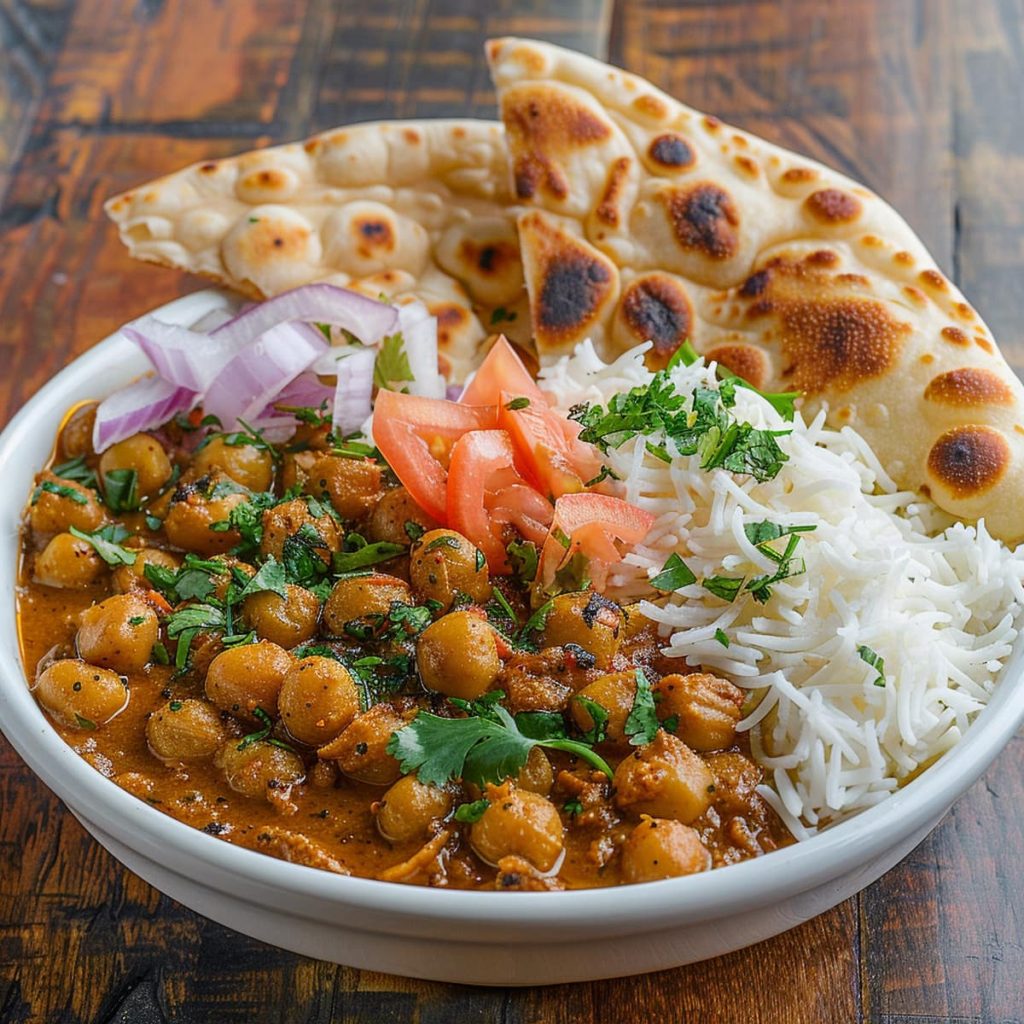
x: 175, y: 705
x: 357, y: 554
x: 573, y: 808
x: 725, y: 587
x: 524, y: 558
x: 269, y: 577
x: 517, y: 403
x: 875, y: 660
x: 84, y: 723
x: 136, y: 620
x: 61, y: 490
x: 607, y: 473
x: 413, y: 530
x: 642, y: 721
x: 392, y: 364
x: 488, y: 745
x: 446, y: 540
x: 760, y: 533
x: 674, y: 575
x: 121, y: 490
x: 159, y: 654
x: 471, y: 812
x: 721, y: 637
x: 107, y: 543
x: 154, y: 523
x: 76, y: 470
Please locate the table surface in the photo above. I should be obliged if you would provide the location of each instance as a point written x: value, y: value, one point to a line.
x: 920, y: 99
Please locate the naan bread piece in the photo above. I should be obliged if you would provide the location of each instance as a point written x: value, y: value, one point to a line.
x: 651, y: 221
x: 404, y: 208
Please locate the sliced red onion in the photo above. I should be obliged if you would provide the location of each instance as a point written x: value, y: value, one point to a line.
x: 453, y: 392
x: 258, y: 372
x: 367, y: 319
x: 180, y: 355
x: 352, y: 405
x: 307, y: 390
x: 142, y: 405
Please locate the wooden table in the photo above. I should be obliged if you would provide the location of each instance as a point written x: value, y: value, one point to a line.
x: 918, y: 98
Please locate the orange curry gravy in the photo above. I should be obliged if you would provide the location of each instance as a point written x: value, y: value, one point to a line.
x: 327, y: 817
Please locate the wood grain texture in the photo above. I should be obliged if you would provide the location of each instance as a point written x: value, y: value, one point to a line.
x: 916, y: 97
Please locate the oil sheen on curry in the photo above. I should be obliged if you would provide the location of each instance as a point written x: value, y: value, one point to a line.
x: 275, y: 645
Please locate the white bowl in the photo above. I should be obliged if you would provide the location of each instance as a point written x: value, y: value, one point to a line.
x: 471, y: 937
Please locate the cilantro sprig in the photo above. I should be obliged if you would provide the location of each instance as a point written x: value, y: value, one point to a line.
x: 488, y: 745
x: 697, y: 424
x: 107, y: 543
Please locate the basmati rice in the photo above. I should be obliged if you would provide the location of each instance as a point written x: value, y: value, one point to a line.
x: 886, y: 570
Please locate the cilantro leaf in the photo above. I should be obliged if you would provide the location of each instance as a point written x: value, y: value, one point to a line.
x: 358, y: 554
x: 642, y: 720
x: 875, y: 660
x: 269, y: 577
x: 725, y: 587
x: 121, y: 490
x: 487, y: 746
x: 391, y: 366
x: 61, y: 490
x: 106, y: 542
x: 598, y: 715
x: 471, y: 812
x: 674, y: 575
x: 524, y: 559
x: 760, y: 533
x: 195, y: 616
x: 77, y: 471
x: 517, y: 403
x: 721, y: 637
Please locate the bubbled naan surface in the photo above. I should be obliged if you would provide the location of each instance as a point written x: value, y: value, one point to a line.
x: 415, y: 208
x: 651, y: 221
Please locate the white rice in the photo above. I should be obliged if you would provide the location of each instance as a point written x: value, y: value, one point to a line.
x: 938, y: 601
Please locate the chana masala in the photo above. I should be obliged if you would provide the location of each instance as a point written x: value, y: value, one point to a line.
x: 276, y: 644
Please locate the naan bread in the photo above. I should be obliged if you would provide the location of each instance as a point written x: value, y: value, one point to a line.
x: 653, y: 221
x: 413, y: 208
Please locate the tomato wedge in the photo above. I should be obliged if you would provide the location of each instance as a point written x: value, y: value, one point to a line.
x: 501, y: 370
x: 552, y: 459
x: 592, y: 523
x: 415, y: 435
x: 482, y: 465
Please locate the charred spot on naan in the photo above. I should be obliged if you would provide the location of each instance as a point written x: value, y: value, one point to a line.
x: 968, y: 460
x: 267, y: 185
x: 572, y: 285
x: 609, y: 210
x: 483, y: 254
x: 704, y: 218
x: 833, y: 206
x: 746, y: 361
x: 655, y: 308
x: 543, y: 121
x: 273, y: 247
x: 670, y: 153
x: 969, y: 386
x: 832, y: 333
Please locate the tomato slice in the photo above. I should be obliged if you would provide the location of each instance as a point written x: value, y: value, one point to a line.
x: 485, y: 490
x: 501, y: 370
x: 415, y: 435
x: 552, y: 457
x: 592, y: 523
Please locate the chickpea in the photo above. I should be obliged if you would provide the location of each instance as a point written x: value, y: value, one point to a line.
x: 142, y: 454
x: 517, y: 823
x: 362, y: 749
x: 58, y: 504
x: 410, y: 809
x: 318, y: 699
x: 706, y: 707
x: 68, y: 562
x: 76, y: 434
x: 445, y: 564
x: 286, y: 621
x: 194, y: 508
x: 259, y: 769
x: 392, y: 514
x: 80, y: 694
x: 133, y: 577
x: 616, y: 693
x: 184, y: 730
x: 242, y: 679
x: 458, y: 655
x: 246, y: 464
x: 536, y: 775
x: 118, y: 633
x: 662, y: 848
x: 295, y: 468
x: 665, y: 779
x: 291, y: 517
x: 588, y: 620
x: 359, y: 597
x: 352, y: 486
